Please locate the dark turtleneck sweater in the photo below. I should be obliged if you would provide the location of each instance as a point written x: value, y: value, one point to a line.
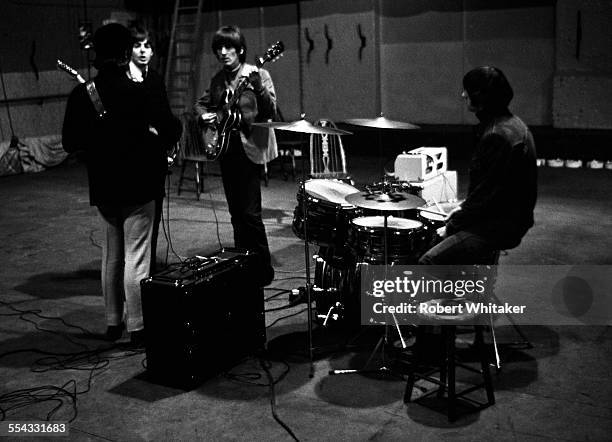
x: 502, y: 182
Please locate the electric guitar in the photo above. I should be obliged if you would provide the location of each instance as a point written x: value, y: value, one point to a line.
x: 71, y: 71
x: 215, y: 137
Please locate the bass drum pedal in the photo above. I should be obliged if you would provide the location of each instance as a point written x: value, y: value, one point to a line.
x: 336, y: 301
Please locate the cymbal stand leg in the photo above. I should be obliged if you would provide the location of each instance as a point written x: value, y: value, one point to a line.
x: 307, y: 263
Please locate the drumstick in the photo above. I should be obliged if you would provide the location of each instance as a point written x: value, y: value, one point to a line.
x: 434, y: 212
x: 439, y: 208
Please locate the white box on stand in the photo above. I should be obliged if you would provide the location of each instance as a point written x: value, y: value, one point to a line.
x: 421, y: 164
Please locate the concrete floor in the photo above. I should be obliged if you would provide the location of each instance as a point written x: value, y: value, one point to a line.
x: 558, y: 390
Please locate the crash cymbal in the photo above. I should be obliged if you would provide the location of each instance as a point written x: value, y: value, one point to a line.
x: 385, y: 201
x: 304, y: 127
x: 380, y: 123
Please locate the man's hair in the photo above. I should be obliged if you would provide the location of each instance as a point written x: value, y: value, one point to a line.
x: 140, y: 33
x: 231, y: 37
x: 112, y: 43
x: 488, y: 88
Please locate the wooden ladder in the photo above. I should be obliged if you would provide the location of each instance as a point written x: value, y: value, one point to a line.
x: 182, y: 51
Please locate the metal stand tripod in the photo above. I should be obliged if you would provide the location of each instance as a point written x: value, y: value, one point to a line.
x: 383, y: 342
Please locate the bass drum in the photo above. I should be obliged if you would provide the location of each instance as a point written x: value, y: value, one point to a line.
x: 328, y: 212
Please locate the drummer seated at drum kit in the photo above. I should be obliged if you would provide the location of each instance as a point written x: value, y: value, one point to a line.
x: 498, y: 209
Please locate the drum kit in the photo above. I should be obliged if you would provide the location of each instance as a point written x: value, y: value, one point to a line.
x: 384, y: 224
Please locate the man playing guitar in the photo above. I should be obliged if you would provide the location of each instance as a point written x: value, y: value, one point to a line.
x: 249, y: 147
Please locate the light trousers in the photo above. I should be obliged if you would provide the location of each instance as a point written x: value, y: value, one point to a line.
x: 126, y: 259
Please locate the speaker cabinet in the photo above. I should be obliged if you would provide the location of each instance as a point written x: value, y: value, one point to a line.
x: 201, y: 317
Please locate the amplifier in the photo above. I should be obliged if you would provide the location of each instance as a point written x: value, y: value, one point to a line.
x: 201, y: 317
x: 421, y: 164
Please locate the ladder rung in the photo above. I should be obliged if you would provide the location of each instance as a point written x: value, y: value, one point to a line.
x: 185, y: 24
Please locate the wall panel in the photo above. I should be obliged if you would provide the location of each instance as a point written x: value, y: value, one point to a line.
x: 338, y: 84
x: 421, y: 64
x: 280, y: 23
x: 582, y: 84
x: 520, y: 41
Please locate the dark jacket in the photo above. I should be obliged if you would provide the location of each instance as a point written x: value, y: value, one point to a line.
x: 126, y: 162
x: 503, y: 183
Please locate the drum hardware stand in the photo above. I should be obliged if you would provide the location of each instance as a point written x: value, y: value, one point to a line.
x: 307, y: 263
x: 384, y: 339
x: 309, y: 285
x: 304, y: 127
x: 526, y: 344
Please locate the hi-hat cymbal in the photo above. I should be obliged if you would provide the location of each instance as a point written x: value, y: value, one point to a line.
x: 385, y: 201
x: 380, y: 123
x: 304, y: 127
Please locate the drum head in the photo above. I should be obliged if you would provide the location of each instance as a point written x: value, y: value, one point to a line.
x: 392, y: 222
x: 445, y: 207
x: 330, y: 190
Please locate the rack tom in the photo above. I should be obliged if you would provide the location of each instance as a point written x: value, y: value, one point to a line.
x: 328, y: 212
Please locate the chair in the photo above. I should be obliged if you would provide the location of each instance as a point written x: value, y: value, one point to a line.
x: 289, y: 146
x: 288, y: 149
x: 191, y: 151
x: 327, y: 159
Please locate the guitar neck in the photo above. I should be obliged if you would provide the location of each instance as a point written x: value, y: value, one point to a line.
x: 244, y: 82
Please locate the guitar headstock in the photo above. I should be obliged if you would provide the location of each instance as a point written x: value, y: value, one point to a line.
x: 73, y: 72
x: 273, y: 53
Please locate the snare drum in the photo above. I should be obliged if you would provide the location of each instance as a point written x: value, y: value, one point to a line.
x: 328, y: 212
x: 406, y: 239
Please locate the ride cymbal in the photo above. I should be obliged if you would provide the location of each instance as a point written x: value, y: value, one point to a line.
x: 304, y: 127
x: 380, y: 123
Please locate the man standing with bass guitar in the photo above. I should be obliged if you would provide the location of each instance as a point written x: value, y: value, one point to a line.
x: 248, y: 147
x: 123, y: 133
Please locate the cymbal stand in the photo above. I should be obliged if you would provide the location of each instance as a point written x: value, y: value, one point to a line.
x: 307, y: 261
x: 384, y: 339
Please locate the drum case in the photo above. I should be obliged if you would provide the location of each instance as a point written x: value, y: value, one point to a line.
x: 201, y: 317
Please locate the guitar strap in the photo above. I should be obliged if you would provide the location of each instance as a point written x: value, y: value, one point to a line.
x: 94, y: 96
